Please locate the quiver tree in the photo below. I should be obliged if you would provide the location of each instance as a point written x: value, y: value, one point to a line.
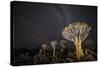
x: 63, y: 44
x: 77, y: 33
x: 53, y: 44
x: 44, y: 46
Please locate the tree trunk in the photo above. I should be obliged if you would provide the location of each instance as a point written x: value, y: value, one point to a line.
x: 54, y: 52
x: 79, y: 51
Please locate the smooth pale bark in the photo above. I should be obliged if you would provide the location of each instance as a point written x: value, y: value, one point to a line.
x: 54, y: 51
x: 79, y: 51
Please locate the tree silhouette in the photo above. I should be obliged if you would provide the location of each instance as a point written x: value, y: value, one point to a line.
x: 77, y: 32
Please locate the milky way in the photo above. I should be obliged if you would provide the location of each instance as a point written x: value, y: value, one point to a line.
x: 35, y: 23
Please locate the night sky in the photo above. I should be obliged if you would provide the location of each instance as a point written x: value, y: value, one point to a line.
x: 35, y: 23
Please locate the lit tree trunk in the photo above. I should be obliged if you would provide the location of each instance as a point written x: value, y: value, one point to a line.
x: 54, y: 51
x: 79, y: 51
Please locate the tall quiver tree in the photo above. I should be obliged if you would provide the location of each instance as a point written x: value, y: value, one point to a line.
x: 77, y: 32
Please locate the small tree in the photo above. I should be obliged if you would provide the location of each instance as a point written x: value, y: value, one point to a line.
x: 63, y: 43
x: 44, y: 46
x: 77, y: 33
x: 53, y: 44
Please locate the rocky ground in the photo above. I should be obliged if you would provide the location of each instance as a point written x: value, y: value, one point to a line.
x: 34, y: 57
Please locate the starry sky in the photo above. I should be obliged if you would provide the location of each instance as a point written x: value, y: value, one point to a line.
x: 35, y: 23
